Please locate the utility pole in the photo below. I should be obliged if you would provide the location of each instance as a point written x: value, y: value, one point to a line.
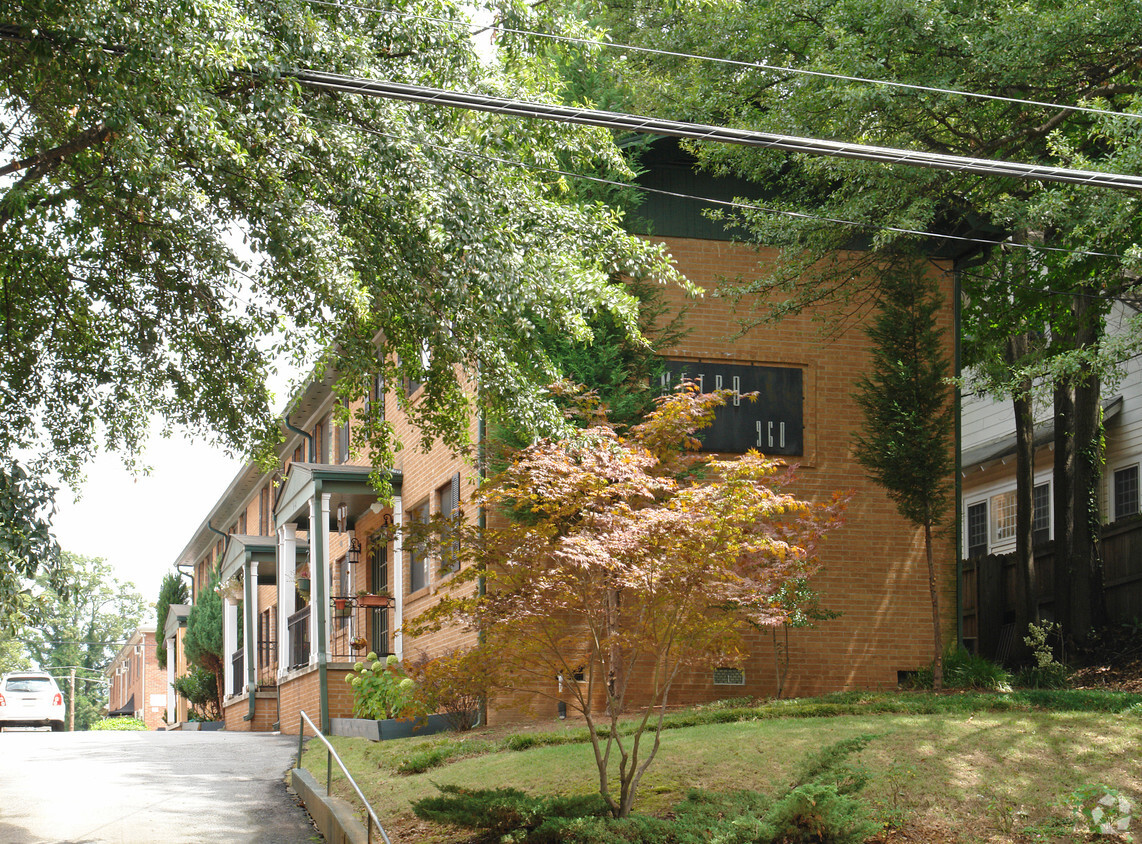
x: 71, y: 702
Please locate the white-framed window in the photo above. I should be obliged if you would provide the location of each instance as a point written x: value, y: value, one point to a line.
x: 1041, y: 512
x: 1003, y: 516
x: 1125, y: 492
x: 976, y: 523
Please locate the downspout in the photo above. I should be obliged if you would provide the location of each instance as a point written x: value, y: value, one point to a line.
x: 248, y: 636
x: 225, y: 545
x: 188, y: 575
x: 312, y: 450
x: 317, y: 579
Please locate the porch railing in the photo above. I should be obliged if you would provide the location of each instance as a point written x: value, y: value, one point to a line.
x: 238, y: 671
x: 298, y: 625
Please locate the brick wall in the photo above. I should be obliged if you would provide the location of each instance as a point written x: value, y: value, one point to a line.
x: 135, y: 673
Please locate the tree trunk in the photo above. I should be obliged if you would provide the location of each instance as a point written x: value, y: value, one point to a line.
x: 1079, y: 602
x: 1087, y: 612
x: 1026, y: 604
x: 937, y: 636
x: 1064, y: 500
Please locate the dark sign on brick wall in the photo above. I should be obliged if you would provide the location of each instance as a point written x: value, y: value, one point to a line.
x: 772, y: 423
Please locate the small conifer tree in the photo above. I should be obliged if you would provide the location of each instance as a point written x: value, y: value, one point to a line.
x: 906, y: 444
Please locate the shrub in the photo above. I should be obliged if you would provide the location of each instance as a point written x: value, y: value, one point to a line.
x: 455, y: 686
x: 119, y: 724
x: 963, y: 670
x: 505, y: 812
x: 200, y: 689
x: 818, y: 812
x: 1046, y: 672
x: 382, y: 689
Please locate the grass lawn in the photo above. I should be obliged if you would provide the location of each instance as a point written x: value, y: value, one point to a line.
x: 951, y: 768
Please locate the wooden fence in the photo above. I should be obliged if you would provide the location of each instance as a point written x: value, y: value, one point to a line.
x: 990, y: 589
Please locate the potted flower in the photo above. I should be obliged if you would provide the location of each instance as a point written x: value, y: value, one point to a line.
x: 379, y: 600
x: 302, y: 578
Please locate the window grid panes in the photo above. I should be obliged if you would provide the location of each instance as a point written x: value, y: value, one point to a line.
x: 977, y: 529
x: 417, y: 559
x: 1041, y: 512
x: 1003, y: 515
x: 1126, y: 492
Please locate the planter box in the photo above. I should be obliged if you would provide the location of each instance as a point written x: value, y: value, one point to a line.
x: 377, y: 601
x: 392, y: 728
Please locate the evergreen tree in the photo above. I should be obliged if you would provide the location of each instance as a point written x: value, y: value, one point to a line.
x: 173, y: 590
x: 907, y: 440
x: 203, y: 638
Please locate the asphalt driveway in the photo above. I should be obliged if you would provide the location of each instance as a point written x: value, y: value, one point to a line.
x: 128, y: 787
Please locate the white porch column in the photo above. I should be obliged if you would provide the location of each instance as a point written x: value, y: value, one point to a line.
x: 172, y: 700
x: 252, y: 626
x: 318, y: 510
x: 287, y: 591
x: 229, y: 643
x: 398, y: 579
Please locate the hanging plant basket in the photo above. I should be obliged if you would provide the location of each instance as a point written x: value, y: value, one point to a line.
x: 303, y: 587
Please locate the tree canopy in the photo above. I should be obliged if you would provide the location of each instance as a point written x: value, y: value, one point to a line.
x: 177, y: 212
x: 84, y: 631
x: 1039, y: 82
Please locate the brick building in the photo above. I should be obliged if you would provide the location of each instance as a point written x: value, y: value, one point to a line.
x: 298, y: 559
x: 138, y: 687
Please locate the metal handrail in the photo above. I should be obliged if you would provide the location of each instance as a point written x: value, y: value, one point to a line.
x: 370, y: 815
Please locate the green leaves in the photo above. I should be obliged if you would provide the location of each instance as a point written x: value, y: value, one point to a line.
x: 227, y: 217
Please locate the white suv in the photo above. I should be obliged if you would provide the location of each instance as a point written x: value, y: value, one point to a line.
x: 30, y: 699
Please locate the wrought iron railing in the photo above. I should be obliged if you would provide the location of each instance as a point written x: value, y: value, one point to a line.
x: 358, y: 627
x: 298, y: 625
x: 238, y: 671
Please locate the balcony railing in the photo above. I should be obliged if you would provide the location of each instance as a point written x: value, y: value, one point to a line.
x: 238, y: 671
x: 356, y: 629
x: 298, y: 625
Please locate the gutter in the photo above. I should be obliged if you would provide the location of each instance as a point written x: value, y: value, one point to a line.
x: 312, y: 449
x: 226, y: 545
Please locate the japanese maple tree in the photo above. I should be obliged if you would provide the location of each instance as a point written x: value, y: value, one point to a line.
x: 627, y: 562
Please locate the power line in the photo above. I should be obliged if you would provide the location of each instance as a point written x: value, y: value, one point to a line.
x: 592, y: 42
x: 619, y: 121
x: 746, y: 206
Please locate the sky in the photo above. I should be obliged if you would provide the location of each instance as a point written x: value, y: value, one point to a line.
x: 140, y: 524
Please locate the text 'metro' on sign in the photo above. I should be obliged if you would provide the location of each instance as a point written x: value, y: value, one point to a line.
x: 772, y: 423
